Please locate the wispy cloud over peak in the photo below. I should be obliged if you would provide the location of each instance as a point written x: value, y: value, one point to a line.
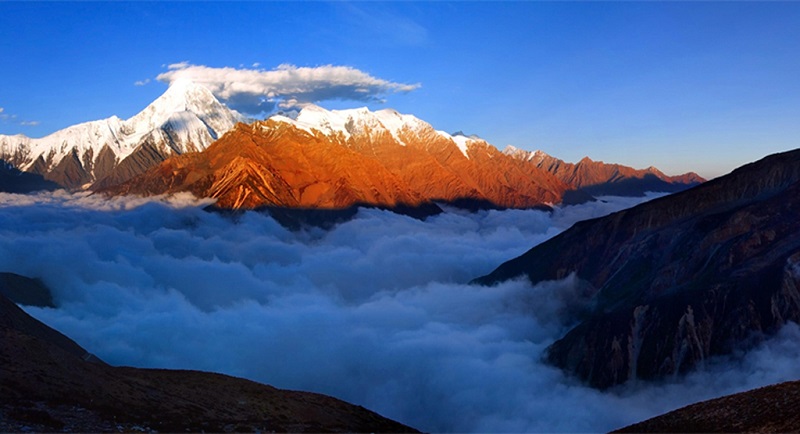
x: 141, y: 82
x: 286, y: 86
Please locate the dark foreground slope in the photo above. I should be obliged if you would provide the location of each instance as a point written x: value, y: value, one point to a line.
x: 678, y: 279
x: 49, y: 383
x: 767, y: 409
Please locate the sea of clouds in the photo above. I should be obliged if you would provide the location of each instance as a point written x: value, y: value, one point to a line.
x: 376, y: 311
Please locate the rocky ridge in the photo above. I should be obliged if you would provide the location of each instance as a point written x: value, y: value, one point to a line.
x: 679, y: 279
x: 602, y: 179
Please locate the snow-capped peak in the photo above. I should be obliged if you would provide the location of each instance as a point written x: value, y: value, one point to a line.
x: 462, y: 141
x: 354, y: 122
x: 534, y: 156
x: 185, y: 95
x: 186, y: 117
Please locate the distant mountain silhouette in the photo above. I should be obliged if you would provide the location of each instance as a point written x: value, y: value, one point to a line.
x: 602, y: 179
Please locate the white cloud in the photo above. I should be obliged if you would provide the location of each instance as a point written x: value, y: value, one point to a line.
x: 29, y: 123
x: 2, y: 109
x: 257, y: 90
x: 375, y: 311
x: 141, y: 82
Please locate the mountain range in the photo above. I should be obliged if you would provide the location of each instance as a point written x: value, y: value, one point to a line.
x: 677, y: 280
x: 601, y: 179
x: 329, y: 159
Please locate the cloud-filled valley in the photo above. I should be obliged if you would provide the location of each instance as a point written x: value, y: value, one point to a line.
x: 376, y: 311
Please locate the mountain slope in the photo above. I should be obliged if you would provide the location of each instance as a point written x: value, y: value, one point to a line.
x: 337, y: 159
x: 678, y: 279
x: 601, y: 179
x: 261, y: 165
x: 185, y: 118
x: 766, y: 409
x: 440, y: 166
x: 47, y: 383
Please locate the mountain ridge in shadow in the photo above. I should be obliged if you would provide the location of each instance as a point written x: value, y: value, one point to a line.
x: 678, y: 279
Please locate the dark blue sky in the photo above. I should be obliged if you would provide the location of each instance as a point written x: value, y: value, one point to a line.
x: 703, y: 86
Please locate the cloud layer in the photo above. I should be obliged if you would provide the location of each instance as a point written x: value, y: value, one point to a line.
x: 375, y: 311
x: 287, y: 86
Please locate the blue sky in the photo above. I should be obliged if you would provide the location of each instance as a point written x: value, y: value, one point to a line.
x: 703, y: 86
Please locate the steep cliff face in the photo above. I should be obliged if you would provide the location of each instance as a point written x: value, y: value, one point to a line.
x: 679, y: 279
x: 598, y: 178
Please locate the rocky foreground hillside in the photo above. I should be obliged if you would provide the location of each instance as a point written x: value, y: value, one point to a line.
x: 48, y: 383
x: 767, y: 409
x: 674, y: 281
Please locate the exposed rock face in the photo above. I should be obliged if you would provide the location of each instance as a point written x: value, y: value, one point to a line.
x: 678, y: 279
x: 49, y: 383
x: 380, y: 159
x: 186, y: 118
x: 767, y: 409
x: 598, y: 178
